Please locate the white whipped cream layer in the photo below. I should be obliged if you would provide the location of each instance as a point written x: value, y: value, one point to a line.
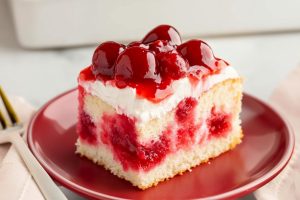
x: 127, y: 102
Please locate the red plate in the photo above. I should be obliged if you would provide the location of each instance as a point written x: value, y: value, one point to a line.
x: 267, y: 147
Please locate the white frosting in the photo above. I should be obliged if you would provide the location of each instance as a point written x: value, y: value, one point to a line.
x: 126, y: 101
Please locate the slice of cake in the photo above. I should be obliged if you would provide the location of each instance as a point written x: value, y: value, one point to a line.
x: 157, y: 107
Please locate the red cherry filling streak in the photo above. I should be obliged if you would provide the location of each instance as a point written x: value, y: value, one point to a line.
x: 219, y: 123
x: 120, y: 134
x: 185, y: 118
x: 85, y: 127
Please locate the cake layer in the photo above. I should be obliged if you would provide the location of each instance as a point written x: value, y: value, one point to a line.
x: 225, y: 96
x: 145, y: 153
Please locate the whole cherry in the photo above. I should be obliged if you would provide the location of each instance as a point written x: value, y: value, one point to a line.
x: 134, y: 65
x: 104, y: 58
x: 197, y: 52
x: 163, y: 32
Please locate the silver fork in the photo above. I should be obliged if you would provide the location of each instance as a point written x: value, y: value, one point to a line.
x: 11, y: 133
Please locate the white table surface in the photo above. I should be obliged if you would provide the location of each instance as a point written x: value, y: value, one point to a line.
x: 263, y: 60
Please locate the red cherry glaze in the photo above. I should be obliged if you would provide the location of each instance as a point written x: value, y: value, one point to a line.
x: 87, y: 74
x: 119, y: 132
x: 136, y: 64
x: 161, y: 46
x: 172, y: 65
x: 219, y: 123
x: 163, y: 32
x: 104, y: 58
x: 197, y: 52
x: 147, y: 89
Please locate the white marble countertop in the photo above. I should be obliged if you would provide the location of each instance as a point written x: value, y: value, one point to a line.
x: 263, y: 60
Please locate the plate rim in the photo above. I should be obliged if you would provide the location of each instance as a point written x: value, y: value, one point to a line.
x: 235, y: 193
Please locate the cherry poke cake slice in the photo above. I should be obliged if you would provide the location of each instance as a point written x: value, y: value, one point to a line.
x: 155, y: 108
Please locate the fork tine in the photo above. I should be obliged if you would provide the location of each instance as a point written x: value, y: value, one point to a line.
x: 3, y: 121
x: 11, y: 112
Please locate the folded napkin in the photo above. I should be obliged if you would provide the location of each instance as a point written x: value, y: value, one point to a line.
x: 16, y: 182
x: 286, y: 100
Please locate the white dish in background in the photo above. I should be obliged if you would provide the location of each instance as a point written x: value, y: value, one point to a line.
x: 62, y: 23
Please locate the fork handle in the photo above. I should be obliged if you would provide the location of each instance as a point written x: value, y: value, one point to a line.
x: 47, y: 186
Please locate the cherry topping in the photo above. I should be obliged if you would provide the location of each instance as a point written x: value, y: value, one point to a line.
x: 161, y: 46
x: 104, y: 58
x: 136, y: 64
x: 199, y: 53
x: 150, y: 65
x: 172, y: 65
x: 163, y: 32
